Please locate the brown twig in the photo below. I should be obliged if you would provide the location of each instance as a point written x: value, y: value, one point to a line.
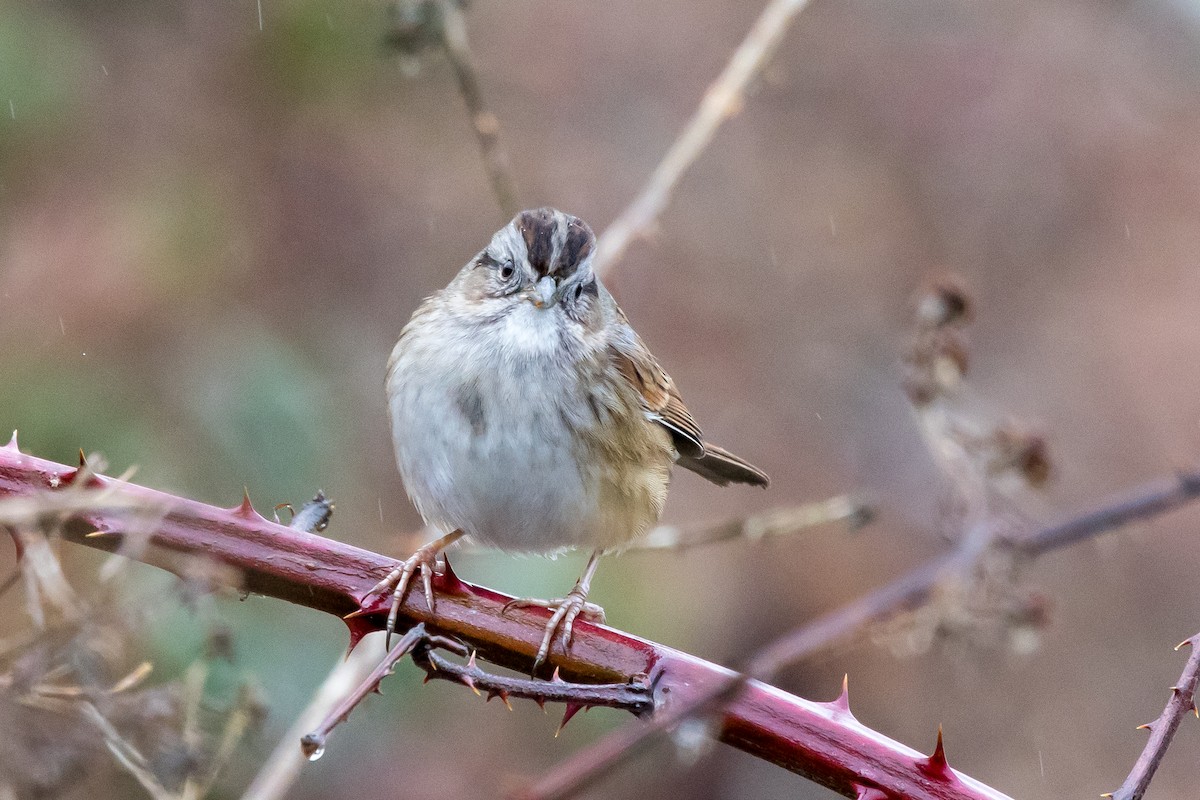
x: 634, y: 696
x: 1148, y: 501
x: 816, y: 740
x: 420, y: 25
x: 783, y: 521
x: 484, y: 123
x: 721, y: 101
x: 1162, y: 730
x: 774, y: 522
x: 914, y: 587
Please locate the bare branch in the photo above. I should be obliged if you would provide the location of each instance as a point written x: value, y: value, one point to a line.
x: 1148, y: 501
x: 775, y: 522
x: 1162, y: 730
x: 485, y: 124
x: 125, y: 753
x: 419, y: 25
x: 722, y: 100
x: 634, y: 696
x: 309, y: 570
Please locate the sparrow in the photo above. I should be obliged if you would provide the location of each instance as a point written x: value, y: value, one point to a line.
x: 528, y: 415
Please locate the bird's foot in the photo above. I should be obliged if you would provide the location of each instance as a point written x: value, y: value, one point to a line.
x: 397, y: 581
x: 566, y: 610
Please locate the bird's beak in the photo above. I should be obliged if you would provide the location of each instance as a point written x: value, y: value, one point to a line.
x: 544, y: 293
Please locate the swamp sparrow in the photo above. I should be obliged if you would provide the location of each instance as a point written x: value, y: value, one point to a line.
x: 528, y: 415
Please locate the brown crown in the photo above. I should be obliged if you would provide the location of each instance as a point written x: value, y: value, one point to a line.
x: 539, y: 226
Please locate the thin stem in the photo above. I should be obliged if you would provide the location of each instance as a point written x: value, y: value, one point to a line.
x: 313, y: 744
x: 774, y: 522
x: 484, y: 123
x: 1162, y: 730
x: 722, y: 100
x: 1147, y: 501
x: 281, y: 769
x: 634, y: 696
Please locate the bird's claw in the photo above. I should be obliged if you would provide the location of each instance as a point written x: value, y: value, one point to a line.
x: 398, y: 580
x: 566, y: 610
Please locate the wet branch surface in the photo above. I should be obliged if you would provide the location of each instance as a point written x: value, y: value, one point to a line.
x: 821, y: 741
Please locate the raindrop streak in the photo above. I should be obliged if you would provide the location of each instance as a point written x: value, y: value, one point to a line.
x: 260, y: 27
x: 12, y: 110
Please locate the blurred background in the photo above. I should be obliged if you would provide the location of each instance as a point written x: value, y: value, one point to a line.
x: 216, y: 216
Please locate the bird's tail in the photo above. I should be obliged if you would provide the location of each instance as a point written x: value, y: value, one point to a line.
x: 722, y: 468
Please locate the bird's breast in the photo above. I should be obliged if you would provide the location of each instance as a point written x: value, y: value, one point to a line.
x: 518, y: 436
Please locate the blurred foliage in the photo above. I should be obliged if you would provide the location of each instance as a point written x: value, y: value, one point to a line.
x: 44, y: 67
x: 210, y: 235
x: 316, y: 51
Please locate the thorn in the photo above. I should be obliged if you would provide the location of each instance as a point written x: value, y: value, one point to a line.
x: 936, y: 765
x: 94, y: 534
x: 471, y: 661
x: 12, y: 443
x: 1183, y: 644
x: 1195, y: 710
x: 1149, y: 726
x: 82, y: 459
x: 555, y: 677
x: 1108, y: 795
x: 469, y: 682
x: 246, y: 508
x: 842, y: 703
x: 450, y: 581
x: 358, y: 629
x: 503, y: 695
x: 541, y: 701
x: 572, y: 710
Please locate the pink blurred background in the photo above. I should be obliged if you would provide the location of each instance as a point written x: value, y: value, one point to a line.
x: 211, y: 234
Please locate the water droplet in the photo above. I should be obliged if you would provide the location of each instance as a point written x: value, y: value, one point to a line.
x: 313, y: 746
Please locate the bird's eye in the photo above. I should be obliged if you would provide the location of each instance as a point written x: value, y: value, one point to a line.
x: 578, y: 290
x: 506, y: 270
